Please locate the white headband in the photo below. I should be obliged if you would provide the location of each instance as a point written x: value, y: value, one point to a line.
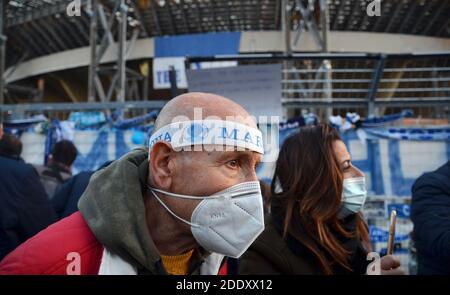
x: 209, y: 132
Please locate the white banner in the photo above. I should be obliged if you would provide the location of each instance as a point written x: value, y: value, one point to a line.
x: 161, y: 67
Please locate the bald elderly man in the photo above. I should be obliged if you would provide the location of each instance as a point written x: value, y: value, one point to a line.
x: 177, y: 208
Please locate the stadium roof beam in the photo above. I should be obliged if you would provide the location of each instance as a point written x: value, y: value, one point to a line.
x: 30, y: 39
x: 49, y: 28
x: 29, y: 49
x: 446, y: 26
x: 377, y: 23
x: 57, y: 26
x: 83, y: 31
x: 434, y: 17
x: 155, y: 18
x: 183, y: 16
x: 213, y: 14
x: 258, y: 16
x: 43, y: 38
x: 424, y: 15
x: 229, y: 16
x: 138, y: 15
x: 76, y: 40
x: 278, y: 15
x: 411, y: 9
x: 199, y: 19
x: 170, y: 18
x: 339, y: 12
x: 347, y: 25
x: 393, y: 19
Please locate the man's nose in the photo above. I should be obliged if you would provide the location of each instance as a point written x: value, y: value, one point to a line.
x: 250, y: 175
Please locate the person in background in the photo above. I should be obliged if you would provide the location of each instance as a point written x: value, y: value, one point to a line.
x: 315, y: 225
x: 65, y: 199
x: 10, y: 146
x: 59, y: 166
x: 24, y: 206
x: 430, y: 214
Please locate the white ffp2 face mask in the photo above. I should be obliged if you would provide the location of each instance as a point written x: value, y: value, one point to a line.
x: 227, y: 222
x: 353, y: 196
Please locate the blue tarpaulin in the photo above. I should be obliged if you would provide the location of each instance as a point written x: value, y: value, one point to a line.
x: 198, y: 44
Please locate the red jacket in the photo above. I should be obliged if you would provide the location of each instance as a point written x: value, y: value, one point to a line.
x: 54, y: 250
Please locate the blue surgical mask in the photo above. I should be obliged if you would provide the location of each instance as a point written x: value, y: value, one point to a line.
x: 353, y: 196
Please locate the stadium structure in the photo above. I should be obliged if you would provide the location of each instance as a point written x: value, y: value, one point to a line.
x: 60, y: 55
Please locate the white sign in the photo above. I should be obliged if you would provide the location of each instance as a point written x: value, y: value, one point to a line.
x: 255, y: 87
x: 161, y: 67
x: 213, y: 64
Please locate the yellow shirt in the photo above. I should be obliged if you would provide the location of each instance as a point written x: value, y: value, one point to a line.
x: 178, y: 264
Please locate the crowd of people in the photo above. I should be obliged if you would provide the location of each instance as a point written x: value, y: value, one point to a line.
x: 174, y: 209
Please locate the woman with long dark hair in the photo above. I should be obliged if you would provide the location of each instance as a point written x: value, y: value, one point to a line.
x: 315, y: 225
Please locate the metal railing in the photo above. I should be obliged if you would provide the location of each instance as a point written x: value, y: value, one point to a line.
x: 371, y: 82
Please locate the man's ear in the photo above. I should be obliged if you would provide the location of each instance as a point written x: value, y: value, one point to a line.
x: 161, y: 165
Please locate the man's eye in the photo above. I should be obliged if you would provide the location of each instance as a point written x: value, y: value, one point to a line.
x: 233, y: 163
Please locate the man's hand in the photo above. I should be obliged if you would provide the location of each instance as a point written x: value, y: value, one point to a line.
x: 390, y: 266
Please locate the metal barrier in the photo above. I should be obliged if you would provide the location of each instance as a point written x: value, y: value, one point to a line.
x: 371, y: 83
x: 62, y: 110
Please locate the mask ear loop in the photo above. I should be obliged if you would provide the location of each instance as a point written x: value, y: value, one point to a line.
x: 225, y: 194
x: 171, y: 212
x: 176, y: 195
x: 355, y: 179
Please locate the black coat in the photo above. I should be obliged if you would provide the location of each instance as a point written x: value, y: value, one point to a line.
x: 430, y: 213
x: 65, y: 199
x: 24, y: 206
x: 271, y: 254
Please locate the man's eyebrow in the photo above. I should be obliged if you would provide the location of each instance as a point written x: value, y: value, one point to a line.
x: 237, y: 154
